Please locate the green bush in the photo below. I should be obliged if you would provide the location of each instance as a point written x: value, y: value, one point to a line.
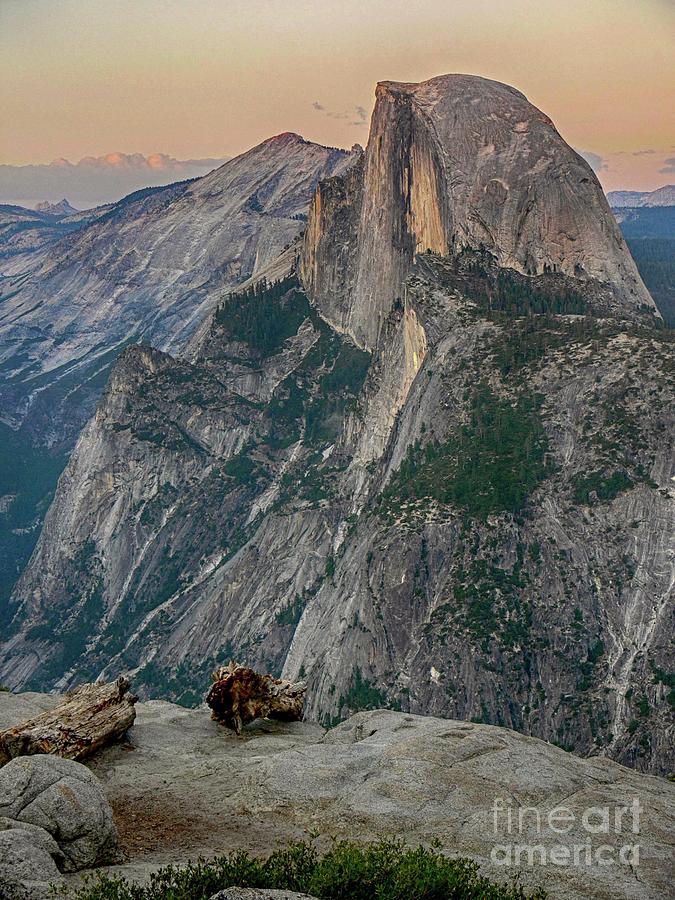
x: 489, y: 603
x: 243, y: 469
x: 517, y: 295
x: 605, y: 487
x: 666, y: 678
x: 292, y: 613
x: 264, y: 315
x: 364, y: 695
x: 381, y: 871
x: 490, y: 465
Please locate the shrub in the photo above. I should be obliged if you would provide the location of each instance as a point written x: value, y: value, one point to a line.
x: 605, y: 487
x: 292, y: 613
x: 380, y: 871
x: 242, y: 468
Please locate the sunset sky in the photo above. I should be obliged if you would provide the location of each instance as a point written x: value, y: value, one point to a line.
x: 210, y: 78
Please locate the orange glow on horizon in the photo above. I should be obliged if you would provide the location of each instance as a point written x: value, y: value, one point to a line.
x: 206, y: 78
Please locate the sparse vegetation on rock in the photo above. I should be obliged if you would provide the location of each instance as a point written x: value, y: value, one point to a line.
x: 349, y: 871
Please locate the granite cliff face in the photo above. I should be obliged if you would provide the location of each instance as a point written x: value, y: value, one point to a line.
x: 76, y: 289
x: 459, y: 162
x: 470, y: 514
x: 147, y: 269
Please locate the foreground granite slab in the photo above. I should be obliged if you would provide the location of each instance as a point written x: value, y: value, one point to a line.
x: 184, y: 786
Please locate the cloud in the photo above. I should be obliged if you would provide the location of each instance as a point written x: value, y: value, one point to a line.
x: 355, y: 115
x: 669, y: 168
x: 595, y: 161
x: 135, y: 162
x: 95, y: 180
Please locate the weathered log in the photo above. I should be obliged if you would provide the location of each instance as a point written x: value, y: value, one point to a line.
x: 239, y: 695
x: 92, y: 716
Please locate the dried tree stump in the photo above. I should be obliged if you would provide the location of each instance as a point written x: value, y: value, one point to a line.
x: 239, y: 695
x: 92, y: 716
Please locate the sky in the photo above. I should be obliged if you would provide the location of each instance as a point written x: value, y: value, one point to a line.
x: 211, y: 78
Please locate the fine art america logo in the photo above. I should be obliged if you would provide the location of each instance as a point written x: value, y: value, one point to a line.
x: 596, y: 836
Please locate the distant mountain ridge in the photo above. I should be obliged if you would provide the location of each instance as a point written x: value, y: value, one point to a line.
x: 663, y: 196
x: 650, y: 233
x: 24, y: 231
x: 60, y: 208
x: 96, y: 180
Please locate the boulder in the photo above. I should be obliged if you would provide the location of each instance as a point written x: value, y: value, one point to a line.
x: 67, y: 801
x: 41, y: 837
x: 28, y: 861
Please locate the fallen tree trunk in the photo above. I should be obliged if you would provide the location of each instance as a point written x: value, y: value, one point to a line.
x: 239, y: 695
x: 92, y: 716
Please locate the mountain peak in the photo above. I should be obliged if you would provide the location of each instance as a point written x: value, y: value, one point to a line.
x: 461, y: 162
x: 62, y: 208
x: 456, y: 83
x: 286, y: 137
